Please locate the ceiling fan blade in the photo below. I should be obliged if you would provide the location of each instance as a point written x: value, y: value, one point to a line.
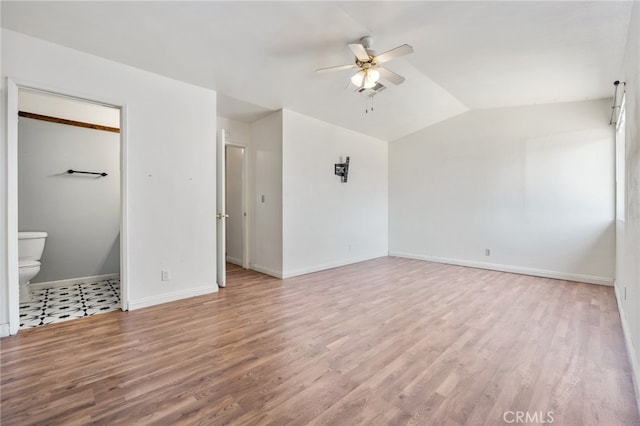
x: 338, y: 68
x: 359, y: 51
x: 390, y: 76
x: 405, y: 49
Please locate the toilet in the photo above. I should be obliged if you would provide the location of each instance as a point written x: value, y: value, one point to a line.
x: 30, y: 247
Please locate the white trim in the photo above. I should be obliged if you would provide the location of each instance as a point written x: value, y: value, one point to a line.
x: 568, y: 276
x: 330, y: 265
x: 171, y: 297
x: 4, y: 330
x: 13, y: 300
x: 72, y: 281
x: 265, y: 270
x: 124, y: 191
x: 631, y: 353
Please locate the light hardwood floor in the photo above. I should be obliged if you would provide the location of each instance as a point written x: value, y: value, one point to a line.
x: 389, y: 341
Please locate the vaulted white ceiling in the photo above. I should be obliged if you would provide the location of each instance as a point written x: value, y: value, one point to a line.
x: 261, y: 56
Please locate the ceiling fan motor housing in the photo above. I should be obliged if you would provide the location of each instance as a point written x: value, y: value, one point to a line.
x: 367, y: 43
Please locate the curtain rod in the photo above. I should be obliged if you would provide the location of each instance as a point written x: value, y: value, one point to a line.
x: 614, y: 116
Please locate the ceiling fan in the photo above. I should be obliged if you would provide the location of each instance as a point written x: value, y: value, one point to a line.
x: 369, y: 63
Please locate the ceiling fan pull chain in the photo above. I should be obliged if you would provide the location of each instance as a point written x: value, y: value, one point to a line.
x: 369, y: 104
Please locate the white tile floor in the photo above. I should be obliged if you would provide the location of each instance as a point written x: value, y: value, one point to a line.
x: 69, y: 302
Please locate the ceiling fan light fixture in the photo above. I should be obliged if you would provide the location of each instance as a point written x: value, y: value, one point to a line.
x: 371, y: 78
x: 358, y: 78
x: 366, y: 78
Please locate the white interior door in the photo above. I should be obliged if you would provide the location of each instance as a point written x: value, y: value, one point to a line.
x: 221, y: 215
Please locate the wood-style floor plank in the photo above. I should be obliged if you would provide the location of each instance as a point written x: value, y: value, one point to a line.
x: 389, y: 341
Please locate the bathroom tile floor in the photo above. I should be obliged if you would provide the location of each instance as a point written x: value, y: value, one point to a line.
x: 70, y: 302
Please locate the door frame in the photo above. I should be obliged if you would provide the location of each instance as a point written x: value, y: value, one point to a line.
x: 13, y: 86
x: 221, y: 214
x: 245, y: 213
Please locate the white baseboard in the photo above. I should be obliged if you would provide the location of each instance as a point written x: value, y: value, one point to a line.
x: 631, y: 351
x: 72, y: 281
x: 265, y: 270
x: 171, y: 297
x: 4, y: 330
x: 330, y: 265
x: 234, y: 260
x: 590, y: 279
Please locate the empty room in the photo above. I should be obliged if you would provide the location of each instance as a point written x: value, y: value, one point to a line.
x: 306, y: 213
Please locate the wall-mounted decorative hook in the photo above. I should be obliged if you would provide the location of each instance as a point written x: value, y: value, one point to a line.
x: 342, y: 170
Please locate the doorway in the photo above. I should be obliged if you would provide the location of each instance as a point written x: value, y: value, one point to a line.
x: 232, y: 245
x: 59, y: 158
x: 235, y: 182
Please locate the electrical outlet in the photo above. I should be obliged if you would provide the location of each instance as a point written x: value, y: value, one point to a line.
x: 166, y: 275
x: 487, y: 252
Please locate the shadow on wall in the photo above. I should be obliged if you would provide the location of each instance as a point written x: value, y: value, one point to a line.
x: 112, y: 261
x: 587, y: 258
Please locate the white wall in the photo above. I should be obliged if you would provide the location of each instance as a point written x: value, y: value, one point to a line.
x: 170, y: 162
x: 234, y: 203
x: 535, y: 185
x: 80, y: 213
x: 238, y: 132
x: 265, y: 163
x: 302, y: 231
x: 628, y: 232
x: 328, y: 223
